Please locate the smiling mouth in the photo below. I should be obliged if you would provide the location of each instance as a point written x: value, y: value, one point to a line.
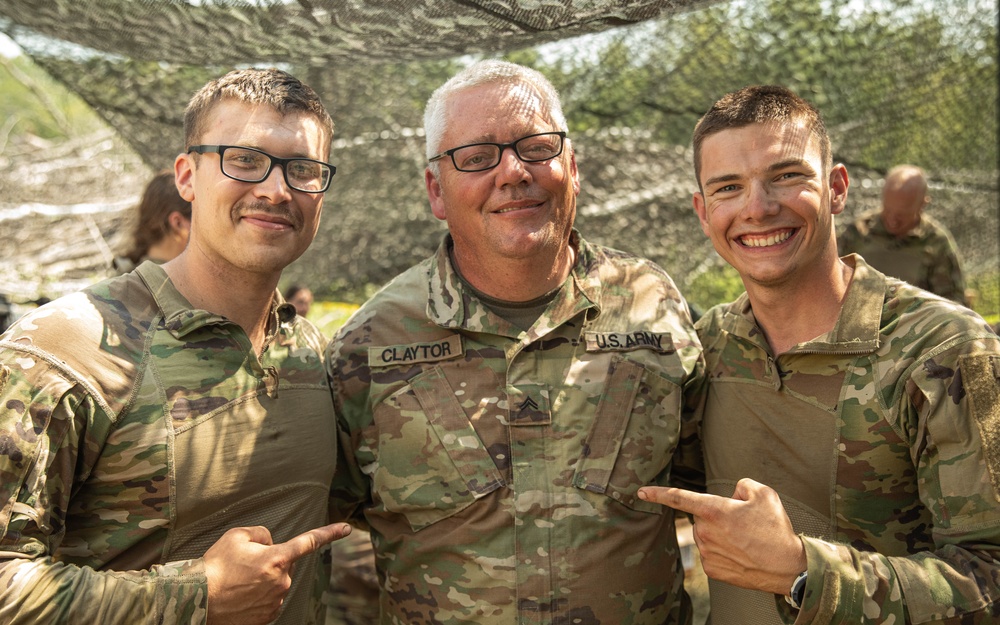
x: 511, y: 209
x: 774, y: 238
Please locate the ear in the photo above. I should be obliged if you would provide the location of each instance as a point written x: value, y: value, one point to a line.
x: 183, y: 173
x: 698, y: 201
x: 839, y: 182
x: 435, y: 194
x: 179, y: 223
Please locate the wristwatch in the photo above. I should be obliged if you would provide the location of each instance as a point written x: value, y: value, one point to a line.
x: 798, y: 591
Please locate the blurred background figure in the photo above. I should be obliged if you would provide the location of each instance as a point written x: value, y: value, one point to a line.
x: 6, y: 312
x: 300, y: 297
x: 903, y: 242
x: 161, y: 224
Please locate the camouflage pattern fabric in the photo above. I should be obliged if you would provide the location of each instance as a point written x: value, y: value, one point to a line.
x: 353, y: 594
x: 911, y: 383
x: 136, y: 430
x: 926, y: 257
x: 498, y: 469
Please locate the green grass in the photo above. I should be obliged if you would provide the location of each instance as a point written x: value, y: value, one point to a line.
x: 329, y: 316
x: 987, y: 301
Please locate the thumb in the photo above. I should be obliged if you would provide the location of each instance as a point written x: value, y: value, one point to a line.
x: 255, y: 534
x: 308, y: 542
x: 747, y: 489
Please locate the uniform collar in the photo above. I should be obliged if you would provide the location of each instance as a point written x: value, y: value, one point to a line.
x: 877, y: 228
x: 858, y: 325
x: 180, y: 318
x: 447, y: 295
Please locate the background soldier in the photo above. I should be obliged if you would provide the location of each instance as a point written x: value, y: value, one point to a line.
x: 903, y: 242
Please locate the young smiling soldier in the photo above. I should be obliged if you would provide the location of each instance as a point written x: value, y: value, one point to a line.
x: 502, y: 402
x: 852, y: 422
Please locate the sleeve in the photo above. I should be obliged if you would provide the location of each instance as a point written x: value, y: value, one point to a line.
x: 946, y: 277
x: 350, y: 488
x: 952, y: 401
x: 51, y: 432
x: 689, y: 461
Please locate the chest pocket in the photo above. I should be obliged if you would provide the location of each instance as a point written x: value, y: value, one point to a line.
x: 635, y: 432
x: 430, y: 464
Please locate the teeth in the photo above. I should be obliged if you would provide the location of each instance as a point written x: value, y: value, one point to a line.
x: 514, y: 208
x: 773, y: 239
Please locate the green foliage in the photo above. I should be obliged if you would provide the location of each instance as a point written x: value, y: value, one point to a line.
x: 895, y: 69
x: 987, y: 300
x: 718, y: 285
x: 34, y: 104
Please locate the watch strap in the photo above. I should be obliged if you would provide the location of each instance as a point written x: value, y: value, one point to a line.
x: 798, y: 591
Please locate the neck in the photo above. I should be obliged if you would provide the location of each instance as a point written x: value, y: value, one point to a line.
x: 242, y: 297
x: 164, y: 250
x: 790, y: 314
x: 520, y: 279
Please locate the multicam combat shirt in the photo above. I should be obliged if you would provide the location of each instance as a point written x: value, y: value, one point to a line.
x: 498, y: 469
x: 926, y: 257
x: 882, y: 438
x: 134, y: 431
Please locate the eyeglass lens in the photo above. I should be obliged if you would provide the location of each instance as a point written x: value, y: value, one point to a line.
x: 252, y: 166
x: 483, y: 156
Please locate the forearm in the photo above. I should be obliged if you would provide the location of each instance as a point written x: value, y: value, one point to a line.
x: 847, y: 586
x: 43, y: 591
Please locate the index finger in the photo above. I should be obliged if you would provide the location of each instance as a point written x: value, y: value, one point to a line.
x: 308, y: 542
x: 688, y: 501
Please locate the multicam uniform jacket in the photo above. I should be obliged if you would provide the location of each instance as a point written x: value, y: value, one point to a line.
x: 134, y: 431
x: 498, y: 469
x: 926, y: 257
x: 900, y: 517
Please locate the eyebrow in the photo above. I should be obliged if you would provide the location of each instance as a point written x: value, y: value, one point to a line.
x: 718, y: 179
x: 792, y: 162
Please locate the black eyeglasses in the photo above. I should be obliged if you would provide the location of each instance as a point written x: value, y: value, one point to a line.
x: 482, y: 156
x: 253, y: 165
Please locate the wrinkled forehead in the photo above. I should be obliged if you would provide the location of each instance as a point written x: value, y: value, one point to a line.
x: 522, y: 99
x: 506, y: 102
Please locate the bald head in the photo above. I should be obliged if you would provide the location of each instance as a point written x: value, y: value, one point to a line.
x: 904, y: 197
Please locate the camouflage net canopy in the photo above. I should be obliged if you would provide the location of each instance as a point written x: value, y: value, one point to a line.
x: 897, y: 80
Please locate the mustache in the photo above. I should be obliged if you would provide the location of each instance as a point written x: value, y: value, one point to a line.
x: 284, y: 211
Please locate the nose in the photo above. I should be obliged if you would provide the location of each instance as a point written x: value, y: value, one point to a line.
x: 761, y: 201
x: 511, y: 170
x: 274, y: 188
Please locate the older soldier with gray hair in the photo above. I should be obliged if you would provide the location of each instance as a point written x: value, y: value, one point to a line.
x: 852, y: 421
x: 166, y: 435
x: 502, y: 402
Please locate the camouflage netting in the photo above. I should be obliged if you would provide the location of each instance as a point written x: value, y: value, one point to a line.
x: 899, y: 81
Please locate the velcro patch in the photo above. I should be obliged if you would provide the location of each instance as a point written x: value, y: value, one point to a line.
x: 660, y: 342
x: 412, y: 353
x: 981, y: 379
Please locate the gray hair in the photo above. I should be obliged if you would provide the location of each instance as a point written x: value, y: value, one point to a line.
x: 478, y: 74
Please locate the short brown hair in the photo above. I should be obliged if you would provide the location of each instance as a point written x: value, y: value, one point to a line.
x: 280, y: 90
x: 759, y: 104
